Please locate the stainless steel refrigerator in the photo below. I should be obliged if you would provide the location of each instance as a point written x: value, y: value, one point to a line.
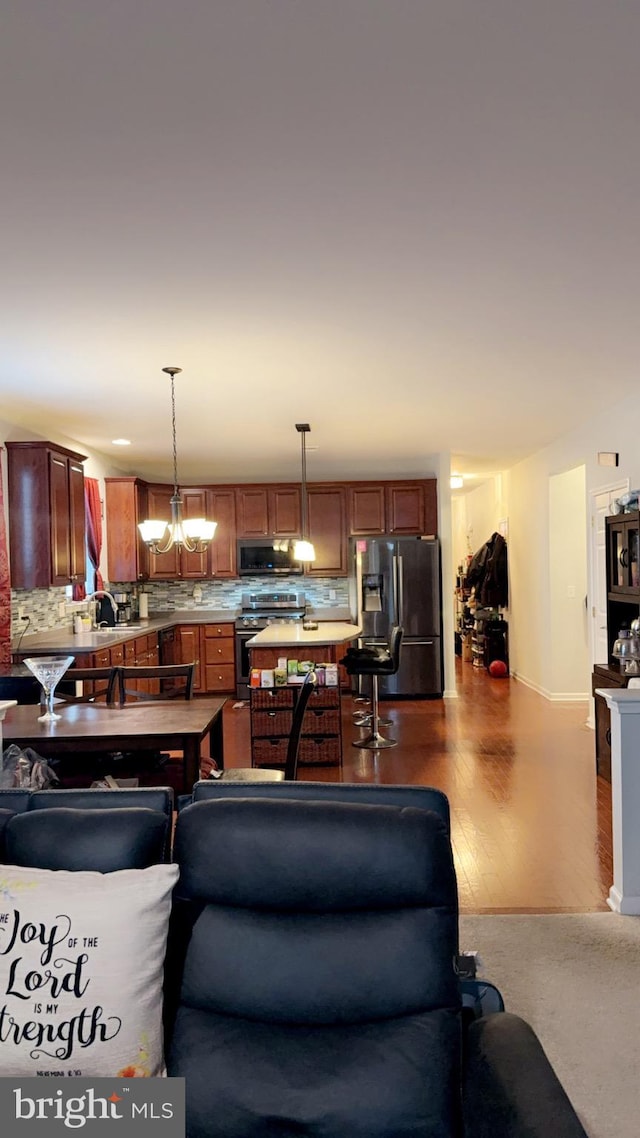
x: 397, y: 581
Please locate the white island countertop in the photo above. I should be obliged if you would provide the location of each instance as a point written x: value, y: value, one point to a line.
x: 288, y: 635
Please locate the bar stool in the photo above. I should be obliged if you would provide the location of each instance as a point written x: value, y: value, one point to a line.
x: 374, y: 662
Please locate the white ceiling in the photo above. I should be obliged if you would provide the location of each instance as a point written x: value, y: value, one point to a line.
x: 411, y: 223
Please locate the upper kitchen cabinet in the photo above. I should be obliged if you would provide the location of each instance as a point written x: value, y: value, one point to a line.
x: 46, y: 515
x: 178, y: 563
x: 268, y: 511
x: 367, y: 509
x: 412, y: 507
x: 393, y: 507
x: 126, y: 506
x: 222, y: 509
x: 327, y: 518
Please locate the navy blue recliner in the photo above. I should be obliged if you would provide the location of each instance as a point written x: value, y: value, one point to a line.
x: 147, y: 818
x: 314, y: 986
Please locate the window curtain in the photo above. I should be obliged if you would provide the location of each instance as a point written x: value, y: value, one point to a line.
x: 5, y: 582
x: 94, y: 528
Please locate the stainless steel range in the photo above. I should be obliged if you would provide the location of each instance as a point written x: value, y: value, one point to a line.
x: 259, y: 610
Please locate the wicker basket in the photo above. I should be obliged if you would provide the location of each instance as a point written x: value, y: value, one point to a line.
x: 320, y: 751
x: 269, y: 698
x: 324, y: 697
x: 269, y: 752
x: 321, y: 722
x: 271, y: 722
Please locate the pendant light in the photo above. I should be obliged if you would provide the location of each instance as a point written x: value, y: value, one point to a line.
x: 303, y: 549
x: 193, y: 534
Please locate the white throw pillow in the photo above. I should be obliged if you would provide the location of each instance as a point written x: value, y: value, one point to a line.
x: 81, y: 970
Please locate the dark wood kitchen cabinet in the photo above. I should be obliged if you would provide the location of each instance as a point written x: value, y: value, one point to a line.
x: 177, y: 563
x: 335, y: 510
x: 412, y: 508
x: 327, y: 519
x: 130, y: 501
x: 212, y: 648
x: 393, y: 507
x: 46, y: 515
x: 126, y: 505
x: 366, y: 509
x: 268, y: 511
x: 222, y: 506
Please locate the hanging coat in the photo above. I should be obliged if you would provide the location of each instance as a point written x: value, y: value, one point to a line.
x: 488, y: 573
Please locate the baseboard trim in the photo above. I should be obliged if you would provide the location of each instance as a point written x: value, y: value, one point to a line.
x: 626, y: 906
x: 553, y: 697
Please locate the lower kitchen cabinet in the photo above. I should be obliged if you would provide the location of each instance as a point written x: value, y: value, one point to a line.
x: 143, y: 652
x: 212, y: 647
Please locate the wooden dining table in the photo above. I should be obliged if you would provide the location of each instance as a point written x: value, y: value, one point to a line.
x: 171, y: 725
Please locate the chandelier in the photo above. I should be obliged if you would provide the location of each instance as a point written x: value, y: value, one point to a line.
x: 193, y: 534
x: 303, y: 549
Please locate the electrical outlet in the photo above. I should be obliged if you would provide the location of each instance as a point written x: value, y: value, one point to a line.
x: 332, y: 594
x: 62, y: 609
x: 21, y: 612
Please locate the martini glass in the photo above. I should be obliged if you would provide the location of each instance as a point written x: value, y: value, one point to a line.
x: 48, y: 670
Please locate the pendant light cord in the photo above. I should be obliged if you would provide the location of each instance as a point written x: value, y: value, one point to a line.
x: 173, y: 428
x: 304, y: 486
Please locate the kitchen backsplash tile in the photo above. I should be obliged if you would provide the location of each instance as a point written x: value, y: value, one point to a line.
x: 42, y: 605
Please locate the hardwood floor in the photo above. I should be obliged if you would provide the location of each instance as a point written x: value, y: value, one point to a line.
x: 531, y: 822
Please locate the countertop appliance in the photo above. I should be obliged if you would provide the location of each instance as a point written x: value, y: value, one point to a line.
x: 267, y: 557
x: 123, y: 601
x: 396, y: 580
x: 259, y: 610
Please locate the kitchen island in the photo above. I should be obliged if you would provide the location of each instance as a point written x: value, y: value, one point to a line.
x: 272, y: 707
x: 328, y: 634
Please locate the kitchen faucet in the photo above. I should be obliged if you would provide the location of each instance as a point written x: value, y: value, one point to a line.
x: 92, y: 604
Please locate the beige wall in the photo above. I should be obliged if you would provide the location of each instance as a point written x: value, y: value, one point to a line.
x: 477, y: 515
x: 569, y: 672
x: 532, y: 654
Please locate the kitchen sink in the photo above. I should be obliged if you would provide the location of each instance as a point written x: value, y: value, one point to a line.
x: 113, y: 630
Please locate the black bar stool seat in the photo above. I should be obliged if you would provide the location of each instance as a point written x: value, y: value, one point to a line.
x: 374, y: 661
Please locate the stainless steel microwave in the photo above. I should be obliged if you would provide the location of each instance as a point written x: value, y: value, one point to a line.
x: 267, y: 557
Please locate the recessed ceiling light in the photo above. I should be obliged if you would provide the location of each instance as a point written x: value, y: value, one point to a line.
x: 121, y: 442
x: 456, y: 481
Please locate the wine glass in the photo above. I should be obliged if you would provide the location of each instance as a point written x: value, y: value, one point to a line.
x: 48, y: 670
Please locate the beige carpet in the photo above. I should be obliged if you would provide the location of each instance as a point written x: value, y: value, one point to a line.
x: 576, y: 979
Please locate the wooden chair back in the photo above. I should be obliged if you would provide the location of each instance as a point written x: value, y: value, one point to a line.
x: 98, y: 685
x: 170, y: 681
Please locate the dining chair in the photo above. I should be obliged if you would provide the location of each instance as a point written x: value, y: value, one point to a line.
x: 166, y: 676
x: 97, y: 684
x: 135, y: 684
x: 274, y: 774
